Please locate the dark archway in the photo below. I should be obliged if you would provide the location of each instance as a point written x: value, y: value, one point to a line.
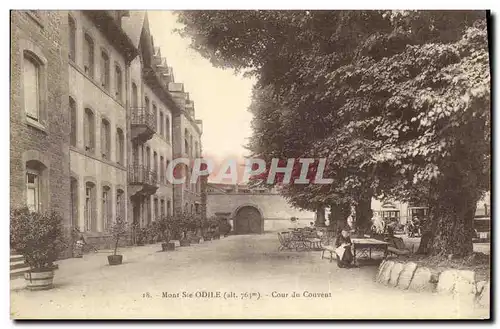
x: 248, y: 220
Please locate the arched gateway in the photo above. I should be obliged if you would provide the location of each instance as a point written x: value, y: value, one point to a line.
x: 248, y: 220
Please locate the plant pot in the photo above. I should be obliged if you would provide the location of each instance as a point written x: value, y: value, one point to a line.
x: 39, y: 280
x: 168, y: 246
x: 195, y: 239
x: 185, y: 243
x: 115, y: 259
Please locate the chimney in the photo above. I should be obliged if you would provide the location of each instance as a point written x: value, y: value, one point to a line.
x: 178, y: 94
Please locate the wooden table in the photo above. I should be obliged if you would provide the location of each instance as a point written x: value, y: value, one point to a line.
x: 365, y: 246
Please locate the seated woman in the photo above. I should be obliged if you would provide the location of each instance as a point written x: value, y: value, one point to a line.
x: 344, y: 241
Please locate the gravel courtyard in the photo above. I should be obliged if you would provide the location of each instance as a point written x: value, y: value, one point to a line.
x: 236, y: 277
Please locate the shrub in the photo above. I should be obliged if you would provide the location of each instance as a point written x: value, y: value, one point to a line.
x: 39, y: 237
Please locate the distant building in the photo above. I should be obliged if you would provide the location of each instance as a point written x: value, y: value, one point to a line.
x: 401, y: 211
x: 253, y: 210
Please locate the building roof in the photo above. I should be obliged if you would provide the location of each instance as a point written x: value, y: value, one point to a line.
x: 132, y: 25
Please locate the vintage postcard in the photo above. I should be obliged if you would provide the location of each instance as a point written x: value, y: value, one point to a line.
x: 250, y: 164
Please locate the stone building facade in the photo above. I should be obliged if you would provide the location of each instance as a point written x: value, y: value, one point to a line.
x: 39, y: 120
x: 95, y: 132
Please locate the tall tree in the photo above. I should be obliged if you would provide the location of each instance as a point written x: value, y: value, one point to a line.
x: 394, y: 99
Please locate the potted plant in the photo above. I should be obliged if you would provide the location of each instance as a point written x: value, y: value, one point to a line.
x: 197, y: 226
x: 77, y: 242
x: 215, y: 223
x: 141, y: 236
x: 166, y: 229
x: 225, y: 227
x: 118, y: 230
x: 39, y: 238
x: 184, y: 224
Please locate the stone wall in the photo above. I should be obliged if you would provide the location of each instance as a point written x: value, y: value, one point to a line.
x: 461, y: 284
x: 274, y: 209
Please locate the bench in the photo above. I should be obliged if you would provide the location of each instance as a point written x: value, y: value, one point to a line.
x: 397, y: 247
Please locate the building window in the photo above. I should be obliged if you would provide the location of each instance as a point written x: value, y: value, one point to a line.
x: 186, y: 142
x: 155, y: 113
x: 90, y: 207
x: 33, y: 189
x: 188, y: 178
x: 146, y: 103
x: 148, y: 158
x: 162, y: 169
x: 169, y: 207
x: 88, y: 56
x: 148, y: 209
x: 169, y: 174
x: 31, y: 87
x: 106, y: 208
x: 162, y: 123
x: 135, y: 96
x: 73, y: 121
x: 155, y: 164
x: 191, y: 149
x: 119, y: 82
x: 156, y: 208
x: 162, y: 208
x: 105, y: 139
x: 120, y: 204
x: 120, y: 147
x: 74, y: 202
x: 104, y: 70
x: 167, y: 129
x: 72, y: 38
x: 89, y: 130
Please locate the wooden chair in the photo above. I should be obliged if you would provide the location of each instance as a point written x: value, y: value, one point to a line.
x: 286, y: 241
x: 330, y: 249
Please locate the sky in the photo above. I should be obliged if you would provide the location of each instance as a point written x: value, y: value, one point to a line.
x: 221, y: 98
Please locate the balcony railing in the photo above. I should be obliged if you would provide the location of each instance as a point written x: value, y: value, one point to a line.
x: 141, y: 175
x: 143, y: 122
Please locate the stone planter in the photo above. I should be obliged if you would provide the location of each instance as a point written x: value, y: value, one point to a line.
x: 115, y: 259
x: 39, y: 280
x: 168, y: 246
x: 459, y: 283
x: 185, y: 243
x: 195, y: 239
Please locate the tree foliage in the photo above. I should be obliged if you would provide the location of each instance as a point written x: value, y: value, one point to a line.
x: 397, y: 101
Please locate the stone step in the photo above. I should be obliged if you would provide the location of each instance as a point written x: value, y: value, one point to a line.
x: 18, y: 272
x: 18, y: 264
x: 16, y: 258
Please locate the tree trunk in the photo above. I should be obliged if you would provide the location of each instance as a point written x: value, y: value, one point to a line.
x: 320, y: 217
x: 453, y: 221
x: 364, y: 212
x: 338, y: 215
x: 452, y: 211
